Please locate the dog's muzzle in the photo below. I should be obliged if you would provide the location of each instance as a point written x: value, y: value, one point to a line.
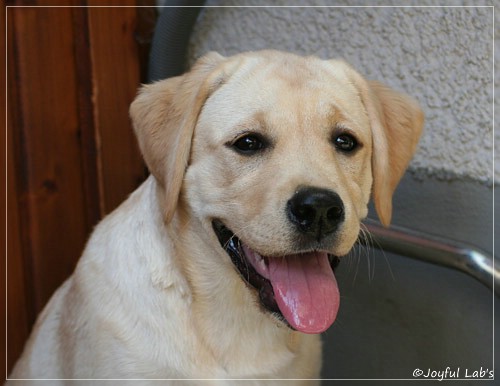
x: 299, y: 289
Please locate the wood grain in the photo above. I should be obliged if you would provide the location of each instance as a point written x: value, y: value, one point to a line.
x: 47, y: 142
x: 116, y: 80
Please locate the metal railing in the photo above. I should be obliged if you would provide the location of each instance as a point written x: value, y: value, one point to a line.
x: 436, y: 250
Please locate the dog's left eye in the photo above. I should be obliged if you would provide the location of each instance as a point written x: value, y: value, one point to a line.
x: 249, y: 144
x: 345, y: 142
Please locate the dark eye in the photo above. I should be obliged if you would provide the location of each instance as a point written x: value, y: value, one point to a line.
x: 249, y: 144
x: 345, y: 142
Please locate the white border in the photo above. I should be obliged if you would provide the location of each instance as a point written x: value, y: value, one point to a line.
x: 240, y: 6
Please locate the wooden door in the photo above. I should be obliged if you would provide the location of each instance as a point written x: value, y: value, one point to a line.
x: 71, y: 154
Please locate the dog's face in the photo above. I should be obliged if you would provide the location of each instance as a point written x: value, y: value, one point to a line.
x: 285, y: 164
x: 277, y: 156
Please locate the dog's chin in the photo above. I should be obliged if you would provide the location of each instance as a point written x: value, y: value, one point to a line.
x: 254, y: 269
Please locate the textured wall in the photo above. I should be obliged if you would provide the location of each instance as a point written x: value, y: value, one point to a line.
x: 442, y: 56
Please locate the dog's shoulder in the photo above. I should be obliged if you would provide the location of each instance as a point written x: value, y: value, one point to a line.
x: 133, y: 247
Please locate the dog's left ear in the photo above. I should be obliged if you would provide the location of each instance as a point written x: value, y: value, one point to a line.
x: 396, y: 122
x: 164, y: 116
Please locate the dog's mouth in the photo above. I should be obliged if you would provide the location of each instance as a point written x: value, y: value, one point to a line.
x: 300, y: 289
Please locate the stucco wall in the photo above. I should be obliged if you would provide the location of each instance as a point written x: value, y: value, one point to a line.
x: 442, y: 56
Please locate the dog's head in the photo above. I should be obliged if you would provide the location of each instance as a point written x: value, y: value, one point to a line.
x: 277, y: 156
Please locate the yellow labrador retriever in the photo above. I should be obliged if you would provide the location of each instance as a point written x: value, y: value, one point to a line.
x: 220, y: 265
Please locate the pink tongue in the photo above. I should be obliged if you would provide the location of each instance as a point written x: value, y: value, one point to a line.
x: 306, y: 290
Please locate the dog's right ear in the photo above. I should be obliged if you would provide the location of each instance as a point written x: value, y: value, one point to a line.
x: 164, y: 116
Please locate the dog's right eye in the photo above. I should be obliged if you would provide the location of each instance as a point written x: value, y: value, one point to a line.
x: 249, y: 144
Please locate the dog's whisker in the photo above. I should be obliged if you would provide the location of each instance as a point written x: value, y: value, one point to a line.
x: 371, y: 242
x: 356, y: 268
x: 384, y: 255
x: 363, y: 249
x: 350, y: 257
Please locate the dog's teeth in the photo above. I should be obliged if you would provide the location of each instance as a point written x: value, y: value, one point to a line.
x: 262, y: 263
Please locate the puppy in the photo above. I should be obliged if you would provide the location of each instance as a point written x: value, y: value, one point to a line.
x: 219, y: 266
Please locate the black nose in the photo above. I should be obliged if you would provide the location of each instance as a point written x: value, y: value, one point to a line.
x: 315, y: 211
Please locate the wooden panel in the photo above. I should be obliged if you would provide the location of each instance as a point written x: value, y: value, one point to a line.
x: 17, y: 304
x: 94, y: 200
x: 16, y: 318
x: 47, y: 142
x: 116, y: 74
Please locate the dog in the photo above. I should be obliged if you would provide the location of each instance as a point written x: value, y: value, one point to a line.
x: 220, y: 265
